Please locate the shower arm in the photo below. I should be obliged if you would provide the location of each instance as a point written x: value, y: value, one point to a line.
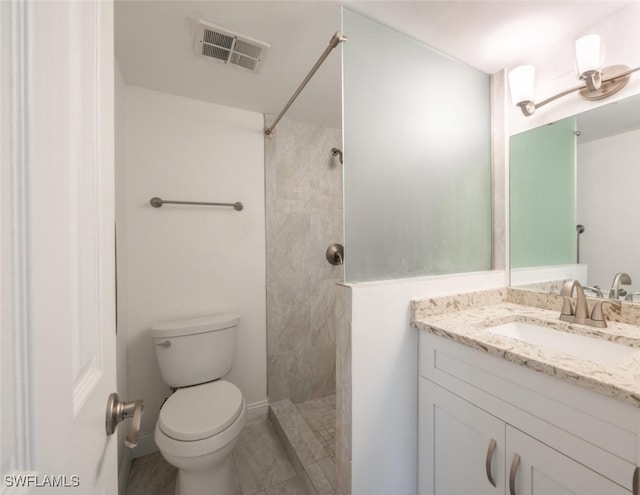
x: 337, y: 38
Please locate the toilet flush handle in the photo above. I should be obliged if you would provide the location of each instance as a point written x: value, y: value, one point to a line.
x: 118, y: 411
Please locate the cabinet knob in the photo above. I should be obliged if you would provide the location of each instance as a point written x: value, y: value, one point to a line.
x: 512, y: 474
x: 487, y: 462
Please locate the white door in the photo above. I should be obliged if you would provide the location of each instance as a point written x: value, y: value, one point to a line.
x: 58, y: 304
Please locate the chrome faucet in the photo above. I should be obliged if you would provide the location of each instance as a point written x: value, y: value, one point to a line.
x: 581, y: 313
x: 620, y: 278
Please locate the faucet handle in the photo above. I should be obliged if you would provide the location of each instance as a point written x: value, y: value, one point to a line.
x: 630, y: 296
x: 567, y: 313
x: 597, y: 315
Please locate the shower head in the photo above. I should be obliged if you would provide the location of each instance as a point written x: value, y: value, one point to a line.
x: 337, y: 152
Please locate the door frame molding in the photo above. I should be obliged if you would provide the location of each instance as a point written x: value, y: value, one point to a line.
x: 14, y: 209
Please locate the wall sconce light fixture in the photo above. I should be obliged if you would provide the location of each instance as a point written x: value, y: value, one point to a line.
x: 599, y: 82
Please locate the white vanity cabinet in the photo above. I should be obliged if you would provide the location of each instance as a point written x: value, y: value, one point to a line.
x: 465, y: 445
x: 534, y: 468
x: 488, y: 426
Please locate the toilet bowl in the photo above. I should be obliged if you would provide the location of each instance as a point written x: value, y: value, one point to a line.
x: 196, y: 432
x: 200, y: 423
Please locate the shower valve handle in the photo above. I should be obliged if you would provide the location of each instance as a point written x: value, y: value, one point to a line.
x: 335, y: 254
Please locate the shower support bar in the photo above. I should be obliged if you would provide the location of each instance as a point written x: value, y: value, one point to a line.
x: 335, y: 40
x: 158, y: 202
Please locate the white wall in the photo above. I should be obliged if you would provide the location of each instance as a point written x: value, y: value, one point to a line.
x: 555, y: 70
x: 385, y: 378
x: 612, y: 228
x: 184, y: 261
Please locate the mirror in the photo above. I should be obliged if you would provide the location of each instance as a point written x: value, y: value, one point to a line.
x: 574, y: 187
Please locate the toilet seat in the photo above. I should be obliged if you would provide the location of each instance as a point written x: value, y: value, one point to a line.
x: 202, y: 411
x: 198, y: 448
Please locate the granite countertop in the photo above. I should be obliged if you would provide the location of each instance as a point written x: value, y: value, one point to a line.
x: 620, y: 381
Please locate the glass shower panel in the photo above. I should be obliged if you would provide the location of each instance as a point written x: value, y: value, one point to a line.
x: 542, y: 176
x: 417, y: 167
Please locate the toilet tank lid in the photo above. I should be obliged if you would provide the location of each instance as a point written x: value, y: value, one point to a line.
x: 191, y: 326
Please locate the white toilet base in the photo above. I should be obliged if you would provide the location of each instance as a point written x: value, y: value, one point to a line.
x: 207, y: 474
x: 204, y: 466
x: 215, y: 480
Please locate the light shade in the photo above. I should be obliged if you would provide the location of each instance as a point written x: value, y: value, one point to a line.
x: 521, y: 81
x: 588, y: 53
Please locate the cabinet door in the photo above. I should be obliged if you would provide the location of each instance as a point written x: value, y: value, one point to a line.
x: 461, y: 447
x: 541, y: 470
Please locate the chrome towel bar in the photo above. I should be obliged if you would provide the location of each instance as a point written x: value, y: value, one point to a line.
x: 158, y: 202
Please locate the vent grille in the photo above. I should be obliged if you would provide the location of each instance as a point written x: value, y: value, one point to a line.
x: 245, y: 48
x: 218, y: 39
x: 246, y: 62
x: 229, y: 47
x: 215, y: 52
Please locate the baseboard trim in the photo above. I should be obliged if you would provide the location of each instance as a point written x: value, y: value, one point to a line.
x: 258, y: 412
x: 146, y: 445
x: 123, y: 472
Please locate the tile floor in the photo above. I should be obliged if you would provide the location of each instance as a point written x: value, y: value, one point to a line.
x: 320, y: 415
x: 260, y: 464
x: 307, y: 431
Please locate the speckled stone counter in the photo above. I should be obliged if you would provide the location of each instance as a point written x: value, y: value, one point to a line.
x: 465, y: 318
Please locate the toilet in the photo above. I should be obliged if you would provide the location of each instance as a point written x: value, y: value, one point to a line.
x: 200, y: 423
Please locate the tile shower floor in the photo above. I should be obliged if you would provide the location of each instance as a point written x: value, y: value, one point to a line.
x: 320, y: 415
x: 308, y: 432
x: 259, y: 461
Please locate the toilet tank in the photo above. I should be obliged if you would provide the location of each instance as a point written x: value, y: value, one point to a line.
x: 195, y: 350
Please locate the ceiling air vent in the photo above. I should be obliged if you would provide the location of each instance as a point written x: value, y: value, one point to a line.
x: 231, y: 48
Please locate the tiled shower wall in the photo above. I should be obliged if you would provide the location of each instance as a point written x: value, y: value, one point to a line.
x: 304, y: 216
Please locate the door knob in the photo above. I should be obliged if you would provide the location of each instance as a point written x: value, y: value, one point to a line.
x: 117, y: 411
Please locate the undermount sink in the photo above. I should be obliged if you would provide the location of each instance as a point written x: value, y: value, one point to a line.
x: 592, y: 349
